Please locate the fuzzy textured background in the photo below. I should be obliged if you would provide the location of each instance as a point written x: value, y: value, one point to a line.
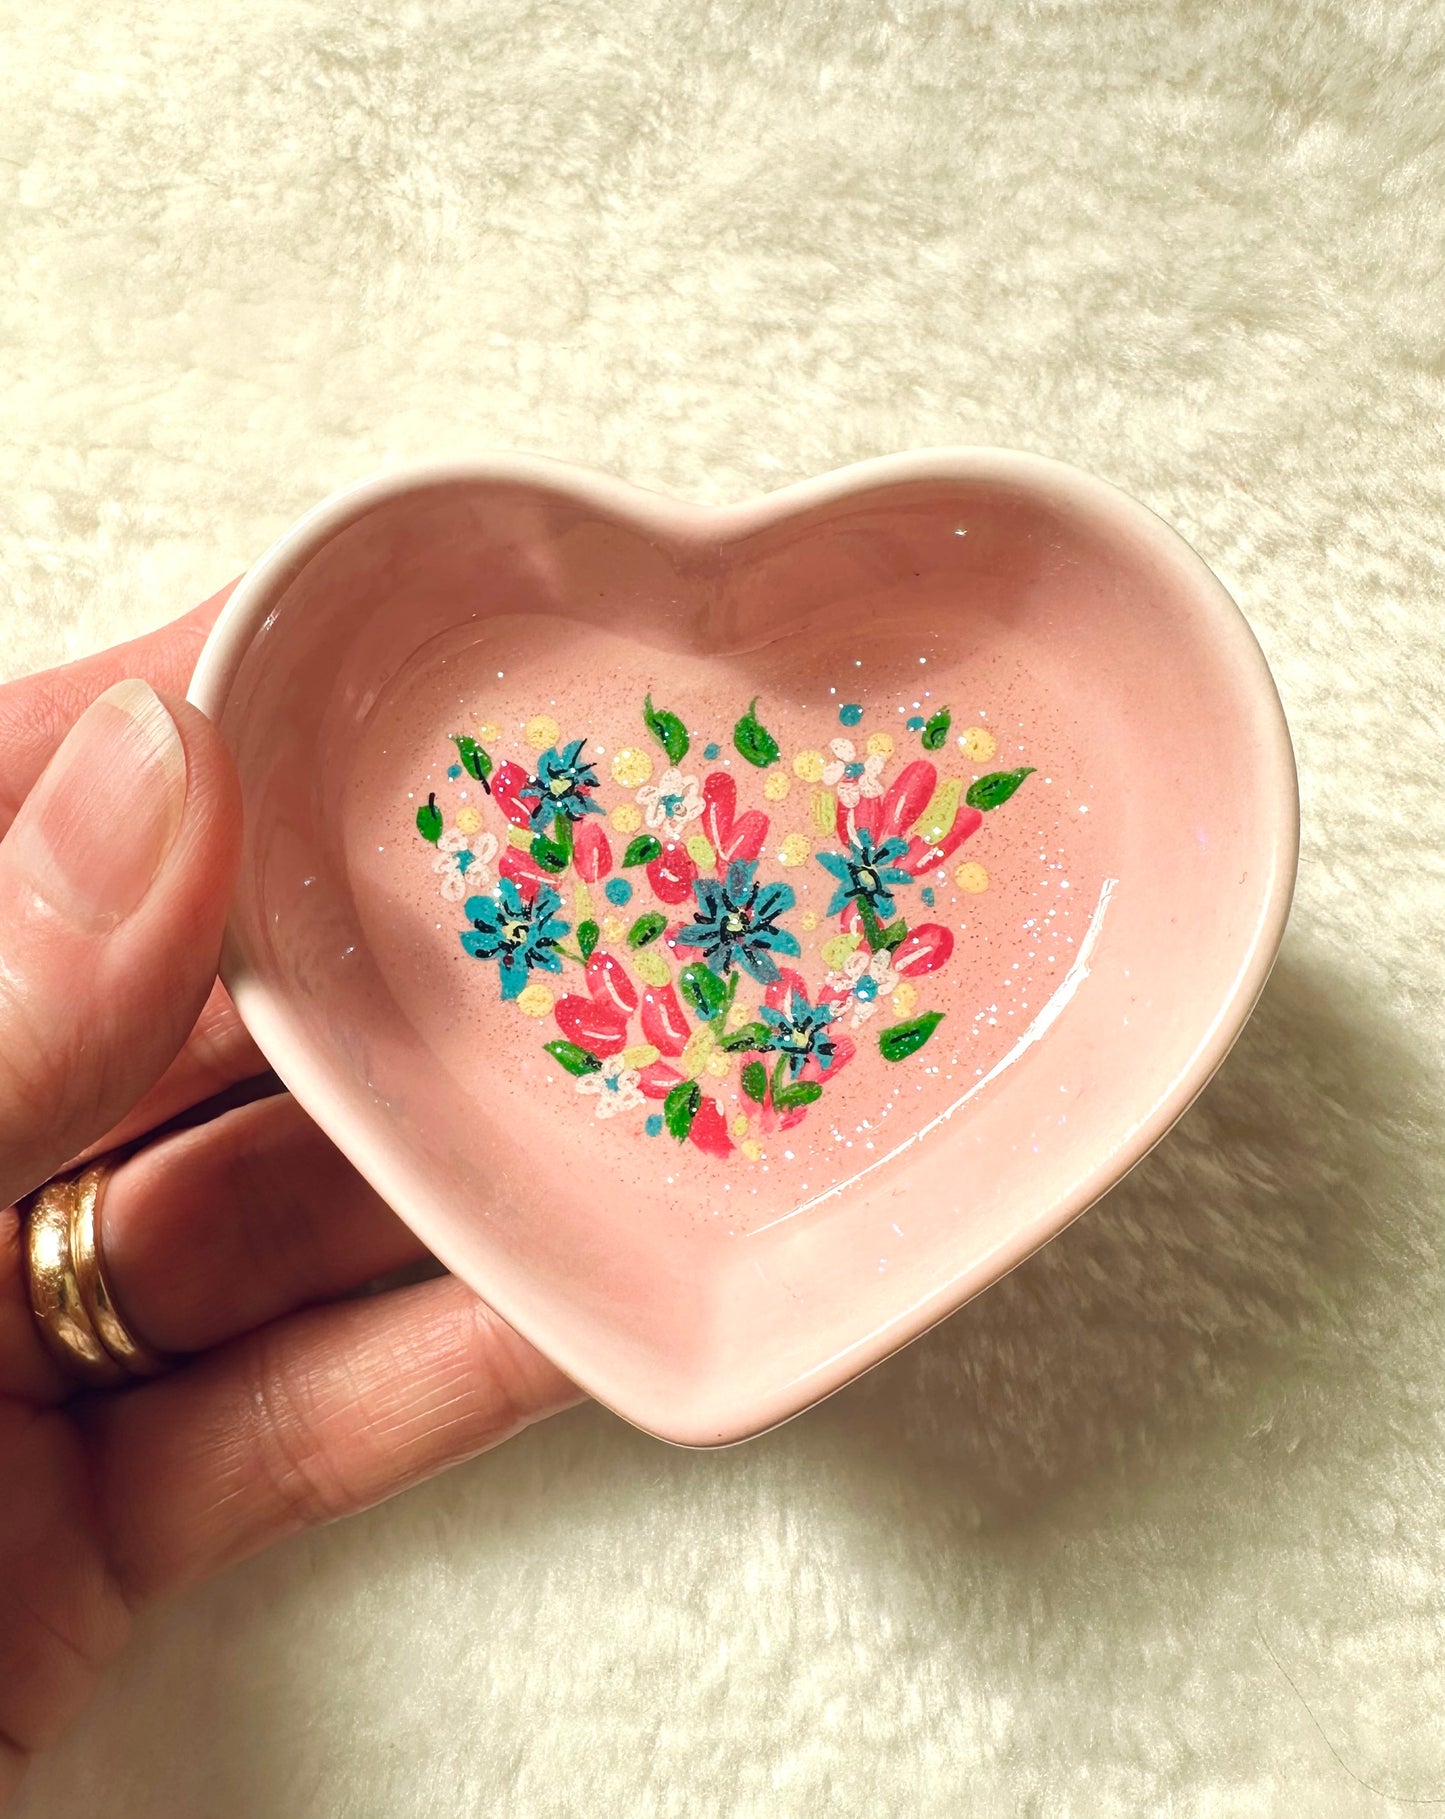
x: 1157, y: 1525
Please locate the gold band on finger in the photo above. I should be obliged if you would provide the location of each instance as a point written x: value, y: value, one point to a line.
x: 70, y: 1296
x: 132, y: 1354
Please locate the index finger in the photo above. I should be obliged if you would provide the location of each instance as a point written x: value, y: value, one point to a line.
x: 37, y: 711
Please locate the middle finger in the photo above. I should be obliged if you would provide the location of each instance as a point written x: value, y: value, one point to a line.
x: 221, y: 1228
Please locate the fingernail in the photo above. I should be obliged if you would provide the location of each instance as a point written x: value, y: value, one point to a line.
x: 95, y: 830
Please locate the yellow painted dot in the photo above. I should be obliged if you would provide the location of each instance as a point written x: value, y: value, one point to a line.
x: 740, y: 1126
x: 487, y: 730
x: 905, y: 999
x: 699, y: 850
x: 613, y: 928
x: 738, y: 1015
x: 794, y: 850
x: 651, y: 968
x: 880, y: 745
x: 978, y: 742
x: 627, y: 817
x: 941, y: 813
x: 777, y: 786
x: 641, y: 1054
x: 700, y: 1045
x: 541, y: 731
x: 824, y: 808
x: 752, y: 1149
x: 810, y: 919
x: 521, y: 838
x: 971, y: 877
x: 534, y: 1000
x: 582, y: 901
x: 468, y: 820
x: 718, y: 1063
x: 837, y: 951
x: 631, y: 767
x: 809, y: 766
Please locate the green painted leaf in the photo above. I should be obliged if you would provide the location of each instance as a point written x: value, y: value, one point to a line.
x: 679, y: 1108
x: 553, y: 852
x: 704, y: 993
x: 905, y: 1039
x: 755, y: 1081
x: 646, y: 928
x: 550, y: 854
x: 803, y: 1093
x: 642, y: 851
x: 588, y: 935
x: 753, y: 740
x: 934, y: 734
x: 667, y: 730
x: 429, y: 820
x: 475, y: 761
x: 892, y: 936
x: 747, y: 1035
x: 877, y: 936
x: 575, y: 1060
x: 996, y: 788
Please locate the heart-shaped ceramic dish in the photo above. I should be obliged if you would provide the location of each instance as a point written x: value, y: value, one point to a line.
x: 932, y: 835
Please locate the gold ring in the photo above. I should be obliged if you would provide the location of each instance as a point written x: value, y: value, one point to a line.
x: 69, y: 1294
x: 95, y: 1292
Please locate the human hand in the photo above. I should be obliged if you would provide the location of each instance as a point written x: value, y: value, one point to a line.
x: 231, y: 1246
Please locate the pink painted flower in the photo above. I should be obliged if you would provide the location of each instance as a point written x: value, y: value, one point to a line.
x: 672, y: 872
x: 523, y: 870
x: 508, y: 782
x: 599, y: 1021
x: 926, y: 855
x: 590, y: 852
x: 732, y: 836
x: 923, y: 950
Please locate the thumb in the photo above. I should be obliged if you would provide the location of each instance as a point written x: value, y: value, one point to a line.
x: 114, y: 880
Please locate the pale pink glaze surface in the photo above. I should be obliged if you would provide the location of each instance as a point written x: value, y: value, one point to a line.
x: 1138, y: 884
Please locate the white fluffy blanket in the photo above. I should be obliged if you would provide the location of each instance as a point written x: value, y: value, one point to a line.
x: 1157, y: 1525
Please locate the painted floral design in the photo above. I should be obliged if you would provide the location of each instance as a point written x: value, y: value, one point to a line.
x: 562, y: 786
x: 464, y: 862
x: 799, y: 1030
x: 670, y: 804
x: 736, y: 922
x: 865, y: 980
x: 519, y: 934
x: 615, y: 1085
x: 867, y: 872
x: 674, y: 994
x: 851, y: 777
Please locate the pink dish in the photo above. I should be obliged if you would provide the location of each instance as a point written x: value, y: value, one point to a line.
x: 931, y: 837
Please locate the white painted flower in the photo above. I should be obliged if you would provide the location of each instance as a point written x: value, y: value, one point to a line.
x: 670, y: 803
x: 465, y: 864
x: 852, y: 777
x: 615, y: 1085
x: 867, y: 978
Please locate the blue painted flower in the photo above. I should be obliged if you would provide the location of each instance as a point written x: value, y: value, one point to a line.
x: 562, y: 785
x: 520, y: 936
x: 801, y: 1032
x: 736, y: 923
x: 867, y: 871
